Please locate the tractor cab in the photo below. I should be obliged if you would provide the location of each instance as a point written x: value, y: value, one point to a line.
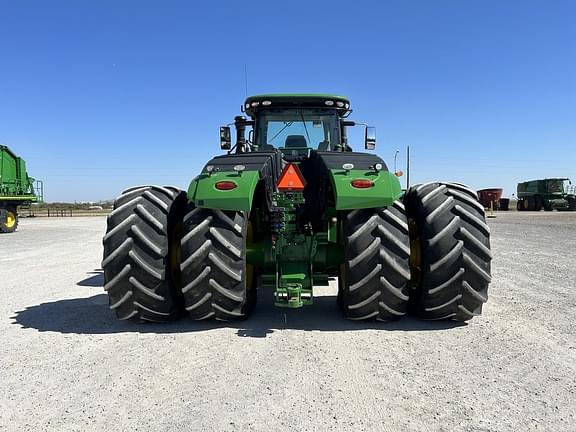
x: 294, y: 124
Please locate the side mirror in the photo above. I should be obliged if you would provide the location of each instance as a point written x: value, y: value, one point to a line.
x: 225, y: 138
x: 370, y: 138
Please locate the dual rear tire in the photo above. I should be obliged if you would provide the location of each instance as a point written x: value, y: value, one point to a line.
x: 374, y: 278
x: 163, y: 257
x: 451, y: 250
x: 531, y: 203
x: 430, y: 254
x: 139, y: 254
x: 217, y: 283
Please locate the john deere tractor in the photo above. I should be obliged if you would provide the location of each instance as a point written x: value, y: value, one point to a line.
x: 288, y: 207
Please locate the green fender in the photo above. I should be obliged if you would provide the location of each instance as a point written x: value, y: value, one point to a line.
x: 385, y: 191
x: 203, y: 192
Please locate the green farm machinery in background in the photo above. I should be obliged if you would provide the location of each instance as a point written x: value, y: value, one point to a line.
x: 547, y: 194
x: 289, y: 207
x: 16, y: 189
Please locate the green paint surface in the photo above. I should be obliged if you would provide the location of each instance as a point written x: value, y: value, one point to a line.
x: 15, y: 184
x: 385, y: 191
x: 203, y: 192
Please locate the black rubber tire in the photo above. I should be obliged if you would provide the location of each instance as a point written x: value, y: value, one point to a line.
x: 4, y: 228
x: 538, y: 203
x: 449, y: 228
x: 530, y: 203
x: 215, y: 277
x: 504, y: 204
x: 572, y: 203
x: 139, y: 270
x: 374, y: 279
x: 520, y: 205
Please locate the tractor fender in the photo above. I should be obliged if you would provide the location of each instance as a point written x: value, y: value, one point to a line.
x: 204, y: 193
x: 243, y: 170
x: 385, y: 189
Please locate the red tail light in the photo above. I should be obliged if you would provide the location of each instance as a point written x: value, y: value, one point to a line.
x: 225, y: 185
x: 362, y: 183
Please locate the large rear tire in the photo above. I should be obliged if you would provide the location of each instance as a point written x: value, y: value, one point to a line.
x: 8, y: 219
x: 139, y: 251
x: 538, y: 203
x: 504, y: 204
x: 452, y: 240
x: 217, y: 283
x: 374, y: 277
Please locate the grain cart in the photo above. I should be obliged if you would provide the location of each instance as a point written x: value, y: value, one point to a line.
x: 288, y: 207
x: 16, y: 189
x: 490, y: 198
x: 547, y: 194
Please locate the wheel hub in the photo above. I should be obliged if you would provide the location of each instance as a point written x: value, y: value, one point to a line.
x: 10, y: 220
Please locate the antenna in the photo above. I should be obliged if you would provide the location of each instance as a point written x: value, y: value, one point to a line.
x: 246, y: 79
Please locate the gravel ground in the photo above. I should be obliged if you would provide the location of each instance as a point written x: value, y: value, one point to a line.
x: 66, y: 364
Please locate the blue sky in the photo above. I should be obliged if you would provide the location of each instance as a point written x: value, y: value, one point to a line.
x: 101, y: 95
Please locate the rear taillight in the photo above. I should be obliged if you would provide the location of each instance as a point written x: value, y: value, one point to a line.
x: 225, y: 185
x: 362, y: 183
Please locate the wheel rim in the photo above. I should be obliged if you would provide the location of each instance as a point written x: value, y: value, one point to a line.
x: 10, y: 220
x: 526, y: 204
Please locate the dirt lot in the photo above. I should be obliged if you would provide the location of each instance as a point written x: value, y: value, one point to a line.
x: 66, y: 364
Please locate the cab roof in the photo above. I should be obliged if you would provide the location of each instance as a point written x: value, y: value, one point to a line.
x: 547, y: 179
x: 256, y: 103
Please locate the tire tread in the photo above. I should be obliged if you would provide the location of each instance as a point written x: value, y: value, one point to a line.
x: 213, y: 264
x: 136, y: 258
x: 375, y: 283
x: 455, y: 250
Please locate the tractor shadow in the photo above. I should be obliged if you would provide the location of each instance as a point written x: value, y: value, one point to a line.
x: 96, y: 279
x: 91, y: 315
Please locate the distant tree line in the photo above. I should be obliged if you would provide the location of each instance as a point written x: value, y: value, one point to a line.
x: 104, y: 205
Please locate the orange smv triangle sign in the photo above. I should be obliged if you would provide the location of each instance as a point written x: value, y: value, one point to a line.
x: 291, y: 179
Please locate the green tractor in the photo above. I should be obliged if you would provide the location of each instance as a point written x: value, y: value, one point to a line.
x: 289, y: 207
